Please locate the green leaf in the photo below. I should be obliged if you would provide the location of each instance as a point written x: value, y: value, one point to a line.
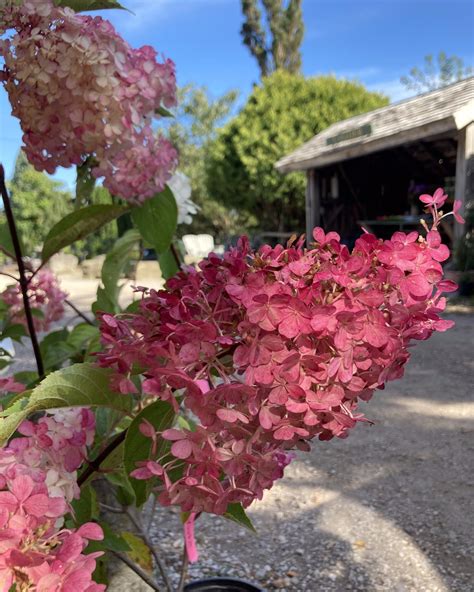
x: 163, y: 112
x: 75, y: 386
x: 81, y: 335
x: 86, y: 507
x: 168, y: 264
x: 157, y: 219
x: 15, y: 332
x: 54, y: 349
x: 85, y: 183
x: 110, y: 542
x: 6, y: 239
x: 83, y: 5
x: 122, y: 489
x: 236, y: 513
x: 137, y: 447
x: 139, y: 552
x: 27, y: 377
x: 112, y: 269
x: 77, y: 225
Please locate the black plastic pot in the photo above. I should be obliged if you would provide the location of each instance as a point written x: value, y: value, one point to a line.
x: 221, y: 585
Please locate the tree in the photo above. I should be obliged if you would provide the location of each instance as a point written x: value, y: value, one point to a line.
x: 436, y: 73
x: 282, y: 113
x: 286, y: 29
x: 192, y: 132
x: 38, y: 202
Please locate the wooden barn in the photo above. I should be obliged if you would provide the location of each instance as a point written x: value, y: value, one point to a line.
x: 369, y: 170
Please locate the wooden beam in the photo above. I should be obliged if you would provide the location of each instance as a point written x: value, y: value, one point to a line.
x: 464, y: 188
x: 313, y: 203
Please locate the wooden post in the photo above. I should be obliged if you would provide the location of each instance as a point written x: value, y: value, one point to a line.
x: 313, y: 213
x: 464, y: 188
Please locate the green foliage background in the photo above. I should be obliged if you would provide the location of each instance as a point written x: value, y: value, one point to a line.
x: 39, y: 202
x: 193, y: 132
x: 280, y: 114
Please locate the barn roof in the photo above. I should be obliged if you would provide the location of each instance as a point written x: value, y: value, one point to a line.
x: 444, y: 110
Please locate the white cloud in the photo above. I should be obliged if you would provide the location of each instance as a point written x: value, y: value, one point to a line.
x: 392, y: 88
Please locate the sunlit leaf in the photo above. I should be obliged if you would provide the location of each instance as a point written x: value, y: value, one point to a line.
x: 157, y: 219
x: 77, y: 225
x: 75, y: 386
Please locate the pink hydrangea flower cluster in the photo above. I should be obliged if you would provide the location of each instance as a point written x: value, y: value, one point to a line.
x: 10, y: 385
x: 79, y: 89
x: 45, y: 296
x: 52, y: 448
x: 272, y: 349
x: 36, y: 554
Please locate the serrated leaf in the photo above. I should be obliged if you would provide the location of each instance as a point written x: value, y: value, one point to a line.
x: 157, y: 219
x: 139, y: 551
x: 137, y: 447
x: 75, y: 386
x: 114, y: 265
x: 77, y: 225
x: 236, y: 513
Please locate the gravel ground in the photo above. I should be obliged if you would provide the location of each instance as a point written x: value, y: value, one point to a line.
x: 389, y: 509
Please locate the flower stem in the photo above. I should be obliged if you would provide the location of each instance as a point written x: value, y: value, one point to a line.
x: 94, y: 465
x: 79, y: 313
x: 22, y: 271
x: 144, y: 535
x: 184, y: 570
x: 137, y: 569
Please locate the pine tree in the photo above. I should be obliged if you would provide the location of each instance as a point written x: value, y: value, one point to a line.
x: 284, y: 25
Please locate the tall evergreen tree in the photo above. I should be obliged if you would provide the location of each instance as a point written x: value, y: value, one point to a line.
x: 284, y: 27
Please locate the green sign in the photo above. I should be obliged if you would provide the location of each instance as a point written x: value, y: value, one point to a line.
x: 351, y: 134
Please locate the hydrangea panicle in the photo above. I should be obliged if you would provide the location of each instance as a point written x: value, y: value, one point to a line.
x: 81, y: 90
x: 273, y: 349
x: 45, y: 296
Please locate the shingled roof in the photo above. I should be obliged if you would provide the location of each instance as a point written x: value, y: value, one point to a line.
x: 447, y: 109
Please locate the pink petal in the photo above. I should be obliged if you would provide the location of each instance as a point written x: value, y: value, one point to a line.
x: 91, y: 531
x: 37, y: 505
x: 228, y: 415
x: 456, y: 207
x: 8, y: 501
x: 173, y: 434
x: 22, y: 487
x: 182, y: 449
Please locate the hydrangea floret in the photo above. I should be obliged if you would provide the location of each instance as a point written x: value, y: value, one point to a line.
x: 273, y: 348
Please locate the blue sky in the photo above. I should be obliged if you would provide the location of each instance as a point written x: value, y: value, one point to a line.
x: 374, y: 41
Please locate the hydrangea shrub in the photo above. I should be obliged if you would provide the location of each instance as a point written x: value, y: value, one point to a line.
x: 200, y: 393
